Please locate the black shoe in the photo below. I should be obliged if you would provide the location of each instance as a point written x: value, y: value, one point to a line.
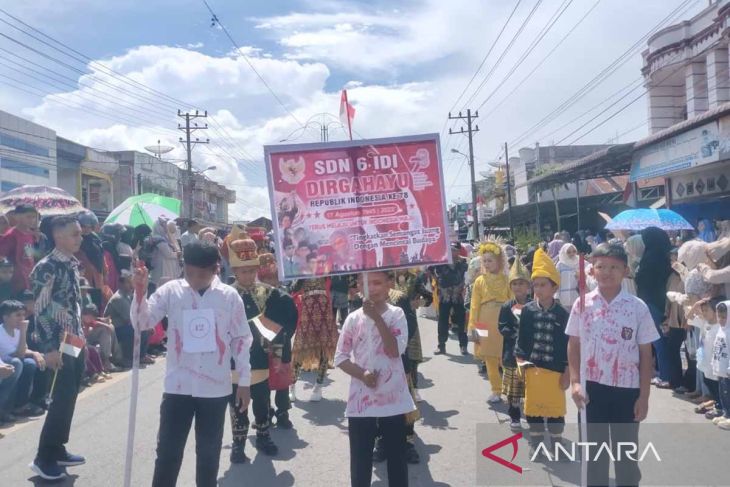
x: 681, y: 390
x: 48, y: 470
x: 412, y: 455
x: 482, y: 369
x: 237, y: 453
x: 464, y: 351
x: 441, y: 350
x: 70, y: 460
x: 379, y: 451
x: 30, y: 411
x: 284, y: 423
x: 265, y: 445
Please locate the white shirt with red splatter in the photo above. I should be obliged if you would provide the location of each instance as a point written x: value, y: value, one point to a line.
x: 199, y: 374
x: 361, y: 343
x: 610, y: 335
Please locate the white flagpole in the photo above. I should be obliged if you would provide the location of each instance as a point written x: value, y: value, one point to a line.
x: 132, y: 410
x: 582, y: 413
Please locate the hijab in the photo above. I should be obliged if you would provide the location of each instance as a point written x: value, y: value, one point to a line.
x: 565, y: 259
x: 708, y: 233
x: 634, y: 246
x: 654, y: 269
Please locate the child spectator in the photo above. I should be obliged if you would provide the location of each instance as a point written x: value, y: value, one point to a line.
x: 721, y: 366
x: 118, y: 310
x: 99, y: 332
x: 513, y: 386
x: 14, y: 351
x: 710, y: 328
x: 541, y: 353
x: 6, y: 280
x: 17, y: 245
x: 369, y: 349
x: 611, y: 345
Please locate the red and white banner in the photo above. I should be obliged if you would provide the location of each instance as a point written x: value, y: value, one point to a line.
x: 353, y: 206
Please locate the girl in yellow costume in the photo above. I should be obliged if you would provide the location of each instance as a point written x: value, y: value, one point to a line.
x: 489, y: 292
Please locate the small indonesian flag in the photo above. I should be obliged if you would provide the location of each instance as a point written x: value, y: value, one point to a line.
x: 72, y: 345
x: 347, y: 112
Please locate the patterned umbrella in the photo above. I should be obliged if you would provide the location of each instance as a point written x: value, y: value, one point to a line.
x: 49, y: 201
x: 144, y: 209
x: 640, y: 218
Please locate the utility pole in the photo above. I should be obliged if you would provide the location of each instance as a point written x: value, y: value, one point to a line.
x: 139, y: 183
x: 509, y: 191
x: 189, y: 144
x: 469, y: 132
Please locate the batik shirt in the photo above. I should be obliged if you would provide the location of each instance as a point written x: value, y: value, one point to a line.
x: 450, y: 281
x: 54, y: 282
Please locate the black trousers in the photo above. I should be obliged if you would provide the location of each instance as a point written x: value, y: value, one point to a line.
x: 57, y: 426
x: 610, y: 417
x: 125, y: 337
x: 362, y: 432
x: 456, y: 312
x: 176, y: 416
x: 259, y: 403
x: 674, y: 355
x: 714, y: 387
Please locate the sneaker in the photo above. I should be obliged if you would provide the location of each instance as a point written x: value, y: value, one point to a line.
x: 237, y: 453
x: 440, y: 350
x: 724, y: 425
x: 716, y: 421
x: 655, y: 381
x: 494, y: 398
x: 265, y: 445
x: 147, y: 360
x: 663, y: 385
x: 705, y: 407
x: 316, y: 393
x: 47, y: 470
x: 293, y: 393
x: 712, y: 414
x: 412, y: 455
x: 379, y: 451
x: 417, y: 396
x: 515, y: 425
x: 681, y: 390
x: 70, y: 460
x: 463, y: 350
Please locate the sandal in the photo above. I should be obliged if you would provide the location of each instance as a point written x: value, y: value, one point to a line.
x: 705, y: 407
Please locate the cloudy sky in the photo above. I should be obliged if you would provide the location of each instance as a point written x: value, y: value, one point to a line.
x: 405, y: 64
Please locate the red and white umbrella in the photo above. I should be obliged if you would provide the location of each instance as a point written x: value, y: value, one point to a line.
x: 49, y: 201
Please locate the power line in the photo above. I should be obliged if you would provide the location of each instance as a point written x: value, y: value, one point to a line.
x: 505, y: 52
x: 549, y: 25
x: 216, y: 21
x: 484, y: 59
x: 542, y: 61
x: 602, y: 76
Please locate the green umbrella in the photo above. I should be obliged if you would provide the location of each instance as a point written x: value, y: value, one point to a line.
x: 144, y: 209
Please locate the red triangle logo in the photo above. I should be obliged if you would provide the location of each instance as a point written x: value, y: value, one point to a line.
x: 488, y: 452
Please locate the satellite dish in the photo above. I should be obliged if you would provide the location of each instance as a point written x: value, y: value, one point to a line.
x: 158, y: 149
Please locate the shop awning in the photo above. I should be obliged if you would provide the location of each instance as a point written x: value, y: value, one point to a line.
x: 612, y: 161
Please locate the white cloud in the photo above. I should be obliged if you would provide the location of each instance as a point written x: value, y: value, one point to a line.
x: 381, y: 40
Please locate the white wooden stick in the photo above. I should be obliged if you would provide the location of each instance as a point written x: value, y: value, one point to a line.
x: 132, y: 410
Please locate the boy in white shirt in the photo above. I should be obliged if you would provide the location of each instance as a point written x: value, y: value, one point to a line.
x: 369, y: 350
x: 610, y: 349
x: 721, y: 366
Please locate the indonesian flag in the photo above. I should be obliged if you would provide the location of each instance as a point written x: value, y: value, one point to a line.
x: 629, y: 196
x: 347, y: 112
x: 72, y: 345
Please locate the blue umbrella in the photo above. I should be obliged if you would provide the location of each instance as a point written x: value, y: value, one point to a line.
x: 640, y: 218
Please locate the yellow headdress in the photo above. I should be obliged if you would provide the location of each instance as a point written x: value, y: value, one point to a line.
x: 518, y: 271
x: 490, y: 247
x: 543, y: 266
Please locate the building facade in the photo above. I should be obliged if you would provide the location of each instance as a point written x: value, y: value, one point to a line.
x: 687, y: 75
x: 27, y: 153
x: 143, y: 173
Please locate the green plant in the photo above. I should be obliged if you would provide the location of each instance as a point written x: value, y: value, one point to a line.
x: 525, y: 239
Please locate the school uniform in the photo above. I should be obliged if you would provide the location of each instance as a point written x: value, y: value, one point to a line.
x: 610, y: 334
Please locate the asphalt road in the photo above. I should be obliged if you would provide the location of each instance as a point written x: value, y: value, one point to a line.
x: 314, y: 453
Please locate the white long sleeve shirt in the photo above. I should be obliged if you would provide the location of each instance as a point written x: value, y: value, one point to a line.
x: 199, y: 374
